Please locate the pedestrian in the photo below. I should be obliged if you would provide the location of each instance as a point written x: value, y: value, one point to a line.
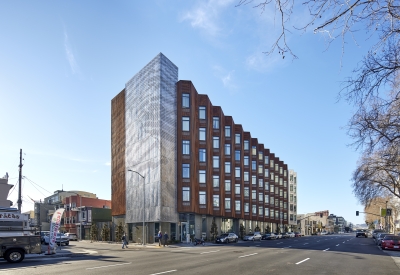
x: 165, y: 238
x: 159, y: 238
x: 124, y: 242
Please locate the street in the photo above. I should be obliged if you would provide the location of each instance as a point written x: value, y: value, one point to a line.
x: 332, y: 254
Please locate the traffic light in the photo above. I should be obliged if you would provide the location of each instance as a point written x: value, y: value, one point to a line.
x: 357, y: 213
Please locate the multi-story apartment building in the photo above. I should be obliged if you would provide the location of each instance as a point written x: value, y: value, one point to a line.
x: 293, y: 200
x: 180, y: 164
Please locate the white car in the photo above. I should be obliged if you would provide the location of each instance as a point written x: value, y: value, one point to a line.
x: 252, y: 237
x: 72, y: 236
x: 60, y: 239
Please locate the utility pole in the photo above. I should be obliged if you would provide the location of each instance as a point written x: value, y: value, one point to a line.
x: 20, y: 181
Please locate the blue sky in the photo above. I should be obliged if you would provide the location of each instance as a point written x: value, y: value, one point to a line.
x: 61, y: 63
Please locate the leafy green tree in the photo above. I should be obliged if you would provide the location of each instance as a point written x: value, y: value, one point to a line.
x: 105, y: 233
x: 278, y: 230
x: 93, y: 232
x: 214, y: 230
x: 119, y: 231
x: 257, y: 229
x: 268, y: 229
x: 286, y: 229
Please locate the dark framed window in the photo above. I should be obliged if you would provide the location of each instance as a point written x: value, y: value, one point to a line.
x: 215, y: 122
x: 185, y: 123
x: 185, y: 170
x: 185, y: 100
x: 202, y: 155
x: 186, y: 147
x: 202, y: 112
x: 185, y: 193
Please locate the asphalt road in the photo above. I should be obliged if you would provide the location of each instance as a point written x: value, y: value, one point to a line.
x: 332, y: 254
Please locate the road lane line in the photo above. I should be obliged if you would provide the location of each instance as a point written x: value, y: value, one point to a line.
x: 106, y: 266
x: 326, y: 249
x: 247, y: 255
x: 303, y: 261
x: 169, y: 271
x: 286, y: 247
x: 180, y: 250
x: 337, y: 244
x: 305, y: 243
x: 209, y: 252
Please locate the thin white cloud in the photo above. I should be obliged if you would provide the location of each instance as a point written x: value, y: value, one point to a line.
x: 226, y: 77
x: 205, y: 16
x: 70, y: 55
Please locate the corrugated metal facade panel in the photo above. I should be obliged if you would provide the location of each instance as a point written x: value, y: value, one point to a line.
x: 118, y: 188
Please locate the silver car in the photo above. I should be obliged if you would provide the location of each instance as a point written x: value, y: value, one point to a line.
x: 252, y: 237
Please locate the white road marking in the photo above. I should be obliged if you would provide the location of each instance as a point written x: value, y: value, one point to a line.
x: 286, y: 247
x: 303, y: 261
x: 326, y: 249
x: 169, y: 271
x: 209, y: 252
x: 337, y: 244
x: 180, y: 250
x: 280, y: 243
x: 343, y: 242
x: 305, y: 243
x: 106, y: 266
x: 247, y: 255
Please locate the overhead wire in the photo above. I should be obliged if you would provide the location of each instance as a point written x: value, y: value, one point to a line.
x: 35, y: 186
x: 31, y: 181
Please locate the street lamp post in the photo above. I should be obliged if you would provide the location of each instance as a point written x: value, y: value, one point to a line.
x: 144, y: 197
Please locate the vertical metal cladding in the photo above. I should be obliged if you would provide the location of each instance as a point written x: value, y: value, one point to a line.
x: 151, y: 142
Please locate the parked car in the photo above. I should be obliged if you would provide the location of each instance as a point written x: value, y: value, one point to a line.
x: 60, y: 239
x: 291, y: 234
x: 285, y: 235
x: 42, y: 234
x: 380, y: 237
x: 390, y: 242
x: 376, y: 232
x: 268, y: 236
x: 297, y: 234
x: 72, y: 236
x: 278, y: 235
x: 227, y: 238
x: 361, y: 233
x: 252, y: 237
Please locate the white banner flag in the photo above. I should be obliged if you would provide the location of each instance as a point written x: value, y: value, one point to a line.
x: 55, y: 225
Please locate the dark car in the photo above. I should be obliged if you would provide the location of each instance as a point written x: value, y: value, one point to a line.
x: 361, y: 233
x: 268, y: 236
x: 297, y: 234
x: 227, y: 238
x: 390, y: 242
x: 376, y: 232
x: 380, y: 237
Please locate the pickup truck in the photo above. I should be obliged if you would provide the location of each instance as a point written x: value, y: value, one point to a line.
x: 14, y: 248
x: 361, y: 233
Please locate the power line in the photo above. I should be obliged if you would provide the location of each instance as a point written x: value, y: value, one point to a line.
x: 35, y: 186
x: 38, y: 185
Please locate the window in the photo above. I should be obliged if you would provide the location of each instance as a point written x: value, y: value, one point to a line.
x: 260, y: 197
x: 227, y: 203
x: 216, y: 200
x: 228, y: 185
x: 272, y: 189
x: 246, y: 160
x: 253, y: 194
x: 266, y: 199
x: 291, y: 198
x: 215, y: 122
x: 246, y: 145
x: 216, y: 142
x: 260, y: 155
x: 215, y: 181
x: 202, y: 155
x: 237, y: 138
x: 285, y: 205
x: 237, y: 206
x: 272, y: 200
x: 285, y: 183
x: 276, y: 190
x: 260, y: 210
x: 202, y: 176
x: 276, y: 168
x: 272, y: 176
x: 227, y: 149
x: 271, y: 213
x: 276, y: 214
x: 246, y: 192
x: 253, y: 165
x: 237, y: 189
x: 185, y: 101
x: 284, y: 173
x: 227, y: 167
x: 215, y: 161
x: 202, y: 197
x: 237, y: 172
x: 280, y: 170
x: 260, y: 169
x: 260, y: 183
x: 276, y: 179
x: 266, y: 186
x: 254, y: 209
x: 266, y: 173
x: 285, y: 216
x: 246, y: 207
x: 253, y: 180
x: 291, y: 207
x: 185, y: 193
x: 271, y: 163
x: 202, y: 112
x: 254, y: 150
x: 202, y: 133
x: 266, y: 212
x: 266, y: 160
x: 246, y: 176
x: 237, y: 155
x: 281, y: 204
x: 291, y: 188
x: 185, y: 123
x: 186, y: 147
x: 185, y: 170
x: 276, y: 203
x: 284, y: 194
x: 281, y: 192
x: 227, y: 131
